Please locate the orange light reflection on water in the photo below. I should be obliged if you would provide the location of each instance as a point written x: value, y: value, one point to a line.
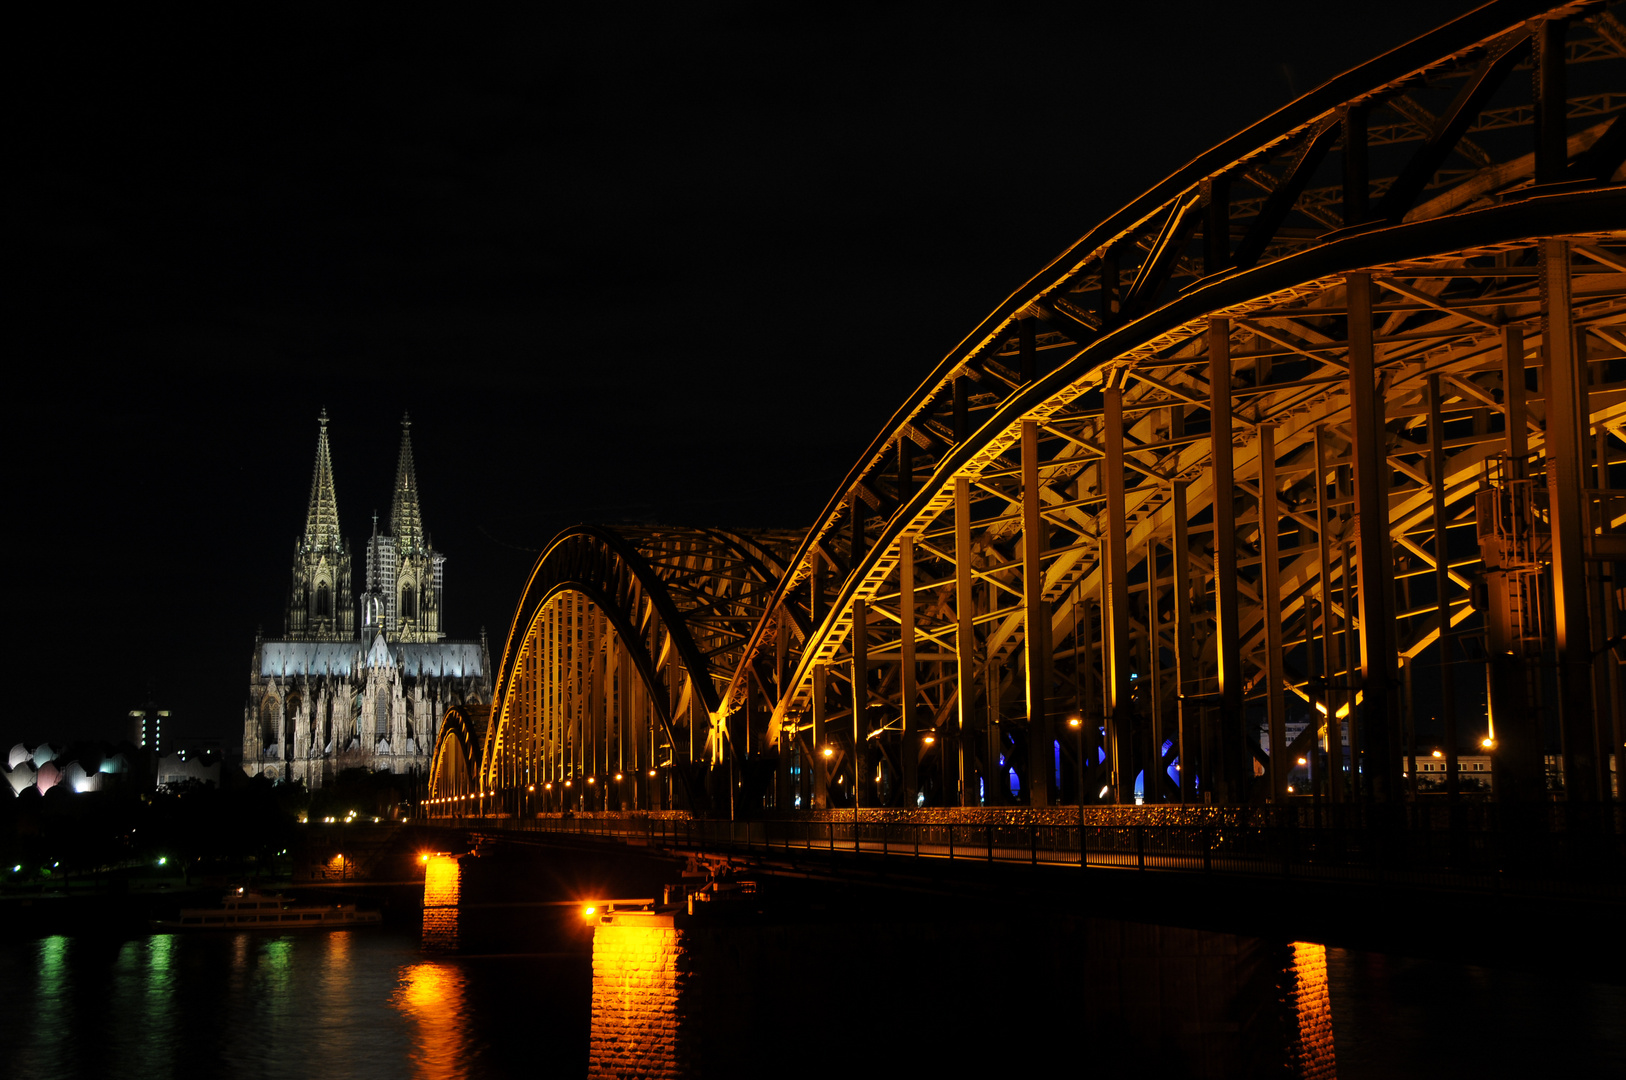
x: 433, y: 996
x: 1311, y: 1046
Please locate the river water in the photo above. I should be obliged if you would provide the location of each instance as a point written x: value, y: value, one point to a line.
x: 507, y: 990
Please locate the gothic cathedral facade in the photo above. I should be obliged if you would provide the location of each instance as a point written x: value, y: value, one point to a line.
x: 330, y: 695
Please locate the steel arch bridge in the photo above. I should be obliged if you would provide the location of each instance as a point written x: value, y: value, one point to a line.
x: 1322, y: 429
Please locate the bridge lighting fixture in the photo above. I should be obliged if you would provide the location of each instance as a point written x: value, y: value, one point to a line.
x: 592, y: 780
x: 1488, y: 743
x: 1437, y: 753
x: 423, y: 858
x: 548, y: 786
x: 163, y: 860
x: 618, y: 776
x: 1104, y: 789
x: 651, y: 772
x: 929, y: 738
x: 828, y: 751
x: 531, y: 788
x: 1075, y: 721
x: 567, y: 783
x: 1303, y: 762
x: 589, y: 911
x: 1290, y: 789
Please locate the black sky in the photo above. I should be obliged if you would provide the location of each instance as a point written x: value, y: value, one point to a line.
x: 667, y: 264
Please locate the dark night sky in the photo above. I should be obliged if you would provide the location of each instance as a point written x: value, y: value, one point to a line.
x: 666, y: 264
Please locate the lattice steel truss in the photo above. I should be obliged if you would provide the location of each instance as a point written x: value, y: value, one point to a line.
x: 1402, y: 299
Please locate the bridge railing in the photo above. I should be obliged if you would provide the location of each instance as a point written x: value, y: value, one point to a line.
x: 1584, y: 862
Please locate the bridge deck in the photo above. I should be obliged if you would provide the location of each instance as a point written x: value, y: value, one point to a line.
x: 1576, y: 864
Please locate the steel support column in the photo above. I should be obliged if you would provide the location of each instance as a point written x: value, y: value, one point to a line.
x: 860, y: 673
x: 1329, y: 642
x: 1115, y: 594
x: 1375, y: 556
x: 1230, y: 780
x: 1442, y: 583
x: 818, y: 773
x: 1035, y: 623
x: 909, y: 754
x: 965, y: 643
x: 1183, y: 632
x: 1270, y: 585
x: 1564, y: 384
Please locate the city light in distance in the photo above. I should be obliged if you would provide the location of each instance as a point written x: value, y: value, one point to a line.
x: 1438, y: 754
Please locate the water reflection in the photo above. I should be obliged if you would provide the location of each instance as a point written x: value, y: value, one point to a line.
x: 679, y: 996
x: 1309, y: 1001
x: 442, y: 888
x: 432, y: 995
x: 157, y: 1001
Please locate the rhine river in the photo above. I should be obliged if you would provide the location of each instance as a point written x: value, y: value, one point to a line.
x: 436, y: 1001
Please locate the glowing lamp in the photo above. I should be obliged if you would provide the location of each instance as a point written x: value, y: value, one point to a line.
x: 651, y: 772
x: 591, y: 780
x: 618, y: 776
x: 590, y: 911
x: 1302, y: 761
x: 1075, y: 721
x: 930, y: 738
x: 1438, y: 754
x: 531, y: 788
x: 1488, y: 744
x: 828, y: 752
x: 423, y: 858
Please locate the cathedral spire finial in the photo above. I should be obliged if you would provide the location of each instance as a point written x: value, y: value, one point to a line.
x: 322, y: 518
x: 406, y: 520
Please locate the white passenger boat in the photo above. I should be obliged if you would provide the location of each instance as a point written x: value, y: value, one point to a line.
x: 243, y: 910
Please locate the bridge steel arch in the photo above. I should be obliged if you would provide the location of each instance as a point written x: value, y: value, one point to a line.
x: 613, y: 669
x: 1401, y: 299
x: 1355, y: 289
x: 454, y: 770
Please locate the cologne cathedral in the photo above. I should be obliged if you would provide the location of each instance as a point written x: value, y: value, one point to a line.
x: 330, y: 695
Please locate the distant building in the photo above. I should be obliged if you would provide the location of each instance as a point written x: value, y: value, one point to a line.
x: 1473, y: 771
x: 147, y: 728
x: 177, y: 768
x: 327, y: 695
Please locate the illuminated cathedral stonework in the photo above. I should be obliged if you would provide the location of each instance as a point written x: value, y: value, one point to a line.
x: 329, y: 695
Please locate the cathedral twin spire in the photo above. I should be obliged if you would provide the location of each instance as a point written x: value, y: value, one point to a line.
x: 322, y: 519
x: 406, y: 521
x: 403, y: 576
